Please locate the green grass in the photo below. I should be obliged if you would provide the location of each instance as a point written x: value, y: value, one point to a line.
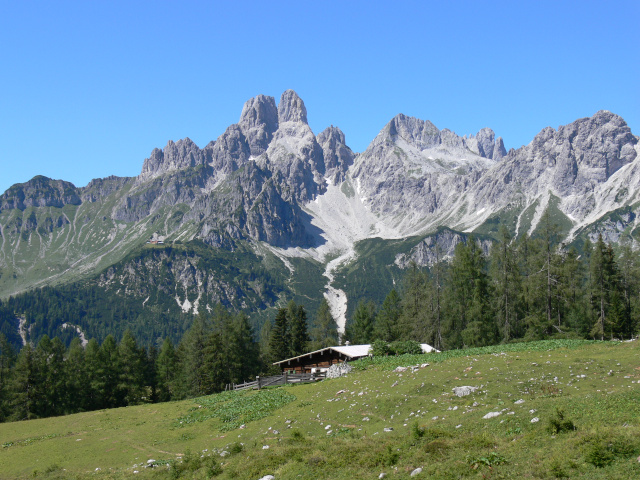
x: 335, y: 429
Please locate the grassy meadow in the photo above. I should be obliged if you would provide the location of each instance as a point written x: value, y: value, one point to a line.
x: 551, y: 409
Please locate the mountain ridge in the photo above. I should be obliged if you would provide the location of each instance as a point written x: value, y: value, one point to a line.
x: 269, y: 182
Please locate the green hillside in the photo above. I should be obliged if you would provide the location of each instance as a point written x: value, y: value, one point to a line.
x: 584, y: 395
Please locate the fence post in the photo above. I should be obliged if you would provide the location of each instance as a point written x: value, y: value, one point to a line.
x: 285, y: 377
x: 259, y: 382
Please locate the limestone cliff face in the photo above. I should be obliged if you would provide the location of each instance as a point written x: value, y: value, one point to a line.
x: 40, y: 192
x: 571, y: 163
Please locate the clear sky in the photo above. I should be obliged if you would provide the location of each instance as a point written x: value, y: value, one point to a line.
x: 89, y: 88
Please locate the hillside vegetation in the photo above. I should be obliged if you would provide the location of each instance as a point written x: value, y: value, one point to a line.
x: 558, y: 409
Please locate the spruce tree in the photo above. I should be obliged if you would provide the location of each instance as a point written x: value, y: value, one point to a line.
x: 299, y: 335
x: 166, y: 369
x: 386, y: 325
x: 131, y: 370
x: 325, y: 330
x: 360, y: 330
x: 24, y: 386
x: 279, y: 346
x: 505, y: 280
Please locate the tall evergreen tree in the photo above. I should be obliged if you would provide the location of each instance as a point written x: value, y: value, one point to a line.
x: 193, y: 379
x: 325, y: 330
x: 75, y: 375
x: 386, y: 324
x: 166, y: 369
x: 412, y: 320
x: 279, y: 346
x: 629, y: 270
x: 131, y: 370
x: 24, y: 385
x: 360, y: 330
x: 299, y: 335
x: 604, y: 289
x: 505, y: 279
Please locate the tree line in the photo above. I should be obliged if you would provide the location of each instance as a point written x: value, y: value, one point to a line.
x: 218, y: 349
x: 524, y: 289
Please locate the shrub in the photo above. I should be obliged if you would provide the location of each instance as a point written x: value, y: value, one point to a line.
x: 559, y: 424
x: 379, y: 348
x: 410, y: 347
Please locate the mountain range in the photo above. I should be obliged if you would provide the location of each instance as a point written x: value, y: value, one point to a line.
x: 271, y: 211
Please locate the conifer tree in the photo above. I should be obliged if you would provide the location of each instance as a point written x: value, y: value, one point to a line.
x: 24, y: 386
x: 629, y: 270
x: 360, y: 330
x: 412, y: 321
x: 386, y: 324
x: 325, y: 331
x: 505, y: 279
x: 279, y: 346
x: 299, y: 335
x: 75, y: 377
x: 131, y: 370
x: 166, y: 369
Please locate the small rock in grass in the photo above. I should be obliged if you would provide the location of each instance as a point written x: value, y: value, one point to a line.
x: 518, y: 402
x: 491, y: 415
x: 268, y: 477
x: 265, y: 447
x: 382, y: 475
x: 388, y: 429
x: 464, y: 391
x: 417, y: 471
x: 535, y: 420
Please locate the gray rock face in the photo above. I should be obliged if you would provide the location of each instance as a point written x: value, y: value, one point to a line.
x: 412, y: 171
x: 175, y: 156
x: 571, y: 163
x: 441, y: 245
x: 338, y: 157
x: 101, y: 188
x: 291, y: 108
x: 40, y: 192
x: 258, y: 122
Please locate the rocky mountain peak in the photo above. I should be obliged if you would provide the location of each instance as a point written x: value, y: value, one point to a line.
x: 40, y: 191
x: 420, y: 133
x: 175, y: 156
x: 258, y: 122
x: 291, y: 108
x: 338, y: 157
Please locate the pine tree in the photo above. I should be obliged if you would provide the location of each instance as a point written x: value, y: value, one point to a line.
x: 603, y: 289
x: 386, y: 324
x: 191, y: 354
x: 49, y: 366
x: 360, y: 330
x: 505, y: 279
x: 76, y: 384
x: 629, y: 269
x: 325, y: 330
x: 412, y: 320
x: 24, y: 394
x: 279, y: 346
x: 131, y: 370
x: 299, y: 335
x: 166, y: 369
x: 7, y: 359
x: 108, y: 375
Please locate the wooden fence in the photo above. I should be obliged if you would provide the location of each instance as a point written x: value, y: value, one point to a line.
x: 283, y: 379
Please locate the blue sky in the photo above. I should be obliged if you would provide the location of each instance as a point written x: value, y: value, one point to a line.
x: 90, y: 88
